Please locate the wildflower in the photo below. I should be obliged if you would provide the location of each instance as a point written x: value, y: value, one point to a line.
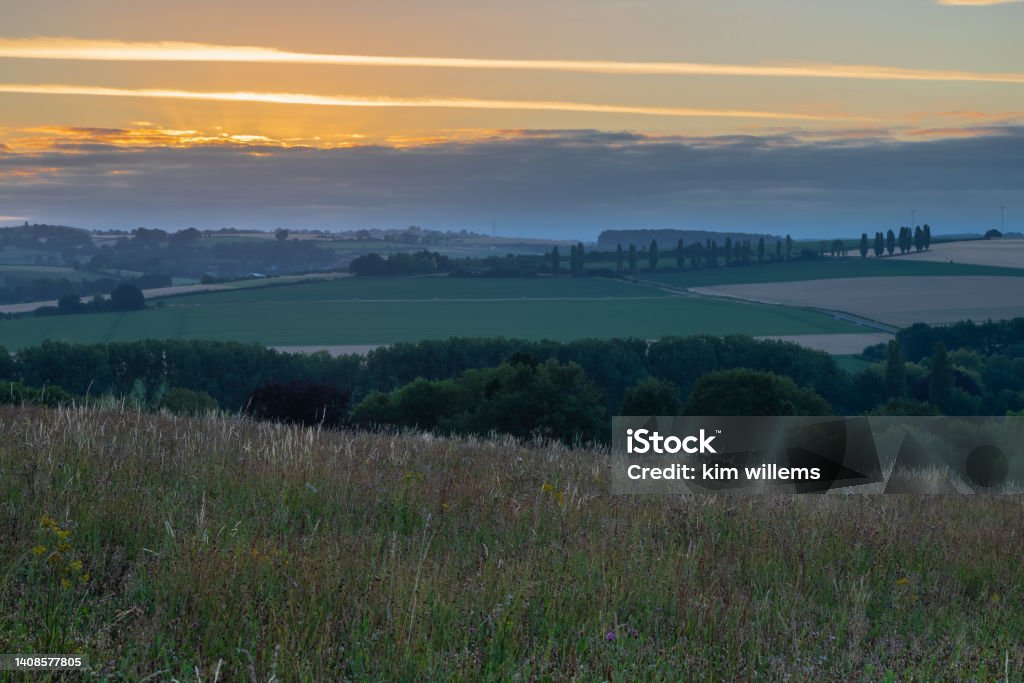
x: 75, y: 565
x: 47, y: 522
x: 63, y: 533
x: 38, y: 550
x: 902, y: 582
x: 444, y: 507
x: 610, y: 636
x: 84, y: 578
x: 547, y: 488
x: 63, y: 547
x: 559, y: 497
x: 65, y: 583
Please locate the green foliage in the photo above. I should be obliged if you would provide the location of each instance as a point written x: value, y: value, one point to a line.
x: 180, y: 401
x: 752, y: 392
x: 1001, y: 336
x: 126, y: 297
x: 651, y: 397
x: 420, y: 262
x: 15, y: 393
x: 940, y: 377
x: 900, y: 407
x: 422, y: 404
x: 522, y: 398
x: 895, y: 371
x: 8, y: 367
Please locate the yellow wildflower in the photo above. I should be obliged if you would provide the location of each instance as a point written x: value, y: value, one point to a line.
x: 65, y: 583
x: 63, y: 533
x: 84, y: 578
x: 902, y: 582
x: 547, y: 488
x: 63, y: 547
x: 38, y: 550
x: 75, y: 565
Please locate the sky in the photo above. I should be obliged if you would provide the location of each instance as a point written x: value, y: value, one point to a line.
x: 541, y: 119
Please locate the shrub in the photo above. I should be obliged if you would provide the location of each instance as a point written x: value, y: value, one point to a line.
x: 15, y: 393
x: 651, y: 397
x: 127, y: 297
x: 187, y: 402
x: 752, y: 392
x: 297, y: 402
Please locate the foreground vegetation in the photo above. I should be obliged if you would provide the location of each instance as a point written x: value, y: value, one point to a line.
x: 205, y: 549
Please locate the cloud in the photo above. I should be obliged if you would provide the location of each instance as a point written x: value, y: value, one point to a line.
x: 108, y: 50
x: 536, y: 183
x: 394, y: 102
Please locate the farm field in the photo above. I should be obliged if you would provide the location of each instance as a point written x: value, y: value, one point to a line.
x: 27, y: 272
x: 1006, y: 252
x: 225, y: 549
x: 358, y: 311
x: 826, y: 268
x: 190, y: 286
x: 896, y: 301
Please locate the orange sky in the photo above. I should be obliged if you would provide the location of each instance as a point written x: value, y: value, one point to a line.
x: 334, y: 74
x: 649, y: 65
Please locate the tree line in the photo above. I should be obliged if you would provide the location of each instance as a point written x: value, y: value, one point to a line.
x: 559, y: 390
x: 918, y: 239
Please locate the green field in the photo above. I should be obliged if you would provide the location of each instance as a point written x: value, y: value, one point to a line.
x: 26, y: 272
x: 388, y: 310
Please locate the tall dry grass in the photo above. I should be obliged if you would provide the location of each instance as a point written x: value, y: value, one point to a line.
x: 222, y: 549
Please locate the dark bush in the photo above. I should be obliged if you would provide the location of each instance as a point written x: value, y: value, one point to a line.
x: 187, y: 402
x: 15, y: 393
x: 300, y: 402
x: 127, y: 297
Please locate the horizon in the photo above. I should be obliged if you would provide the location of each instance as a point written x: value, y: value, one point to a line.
x: 600, y: 115
x: 592, y: 240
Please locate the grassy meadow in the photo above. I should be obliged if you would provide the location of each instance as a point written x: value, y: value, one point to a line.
x: 222, y: 549
x: 389, y: 310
